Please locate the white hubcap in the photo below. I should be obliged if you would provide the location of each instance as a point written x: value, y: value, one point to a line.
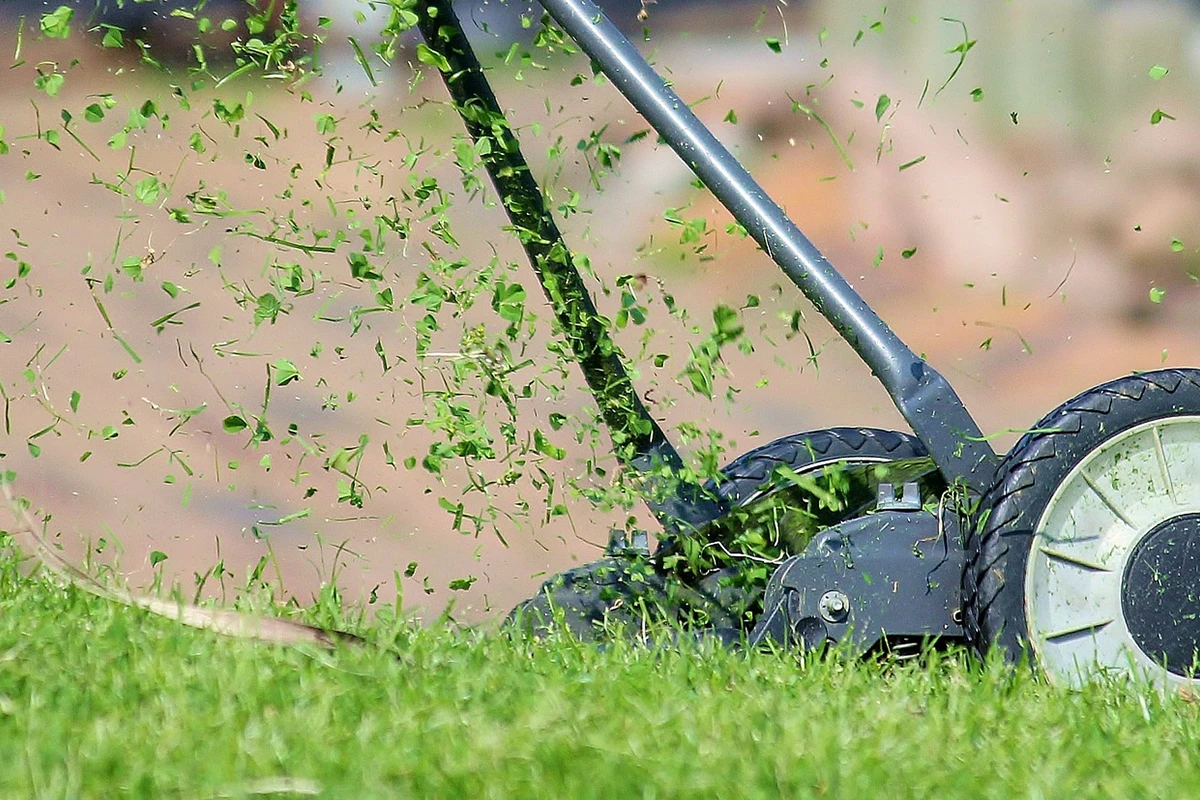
x: 1074, y: 580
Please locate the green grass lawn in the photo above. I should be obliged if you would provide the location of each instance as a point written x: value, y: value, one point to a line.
x: 98, y: 700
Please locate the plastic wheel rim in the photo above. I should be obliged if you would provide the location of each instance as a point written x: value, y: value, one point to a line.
x: 1118, y: 493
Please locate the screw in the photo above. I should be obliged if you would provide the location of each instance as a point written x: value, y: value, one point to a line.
x: 834, y: 606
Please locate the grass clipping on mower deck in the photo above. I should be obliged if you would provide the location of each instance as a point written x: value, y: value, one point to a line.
x: 31, y: 541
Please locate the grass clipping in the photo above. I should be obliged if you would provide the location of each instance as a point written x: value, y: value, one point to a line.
x: 30, y: 539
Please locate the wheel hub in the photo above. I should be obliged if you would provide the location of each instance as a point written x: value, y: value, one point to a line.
x: 1160, y: 594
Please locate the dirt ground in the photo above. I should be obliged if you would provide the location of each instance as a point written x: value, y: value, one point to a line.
x: 1037, y: 265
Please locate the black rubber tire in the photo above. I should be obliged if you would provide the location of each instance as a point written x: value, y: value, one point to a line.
x: 1000, y: 541
x: 805, y: 452
x: 614, y: 594
x: 626, y: 590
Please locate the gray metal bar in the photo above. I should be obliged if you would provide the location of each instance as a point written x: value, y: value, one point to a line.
x: 924, y: 396
x: 638, y: 440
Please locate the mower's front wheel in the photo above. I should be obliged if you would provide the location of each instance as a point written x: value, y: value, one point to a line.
x: 623, y: 590
x: 1086, y: 554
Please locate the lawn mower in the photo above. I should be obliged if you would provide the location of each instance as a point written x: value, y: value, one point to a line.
x: 1077, y: 552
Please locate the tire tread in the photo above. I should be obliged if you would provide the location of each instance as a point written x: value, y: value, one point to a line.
x: 1109, y: 409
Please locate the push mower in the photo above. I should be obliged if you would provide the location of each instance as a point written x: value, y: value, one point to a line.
x: 1078, y: 551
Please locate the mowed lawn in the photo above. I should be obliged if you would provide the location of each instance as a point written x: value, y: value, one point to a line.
x: 98, y: 700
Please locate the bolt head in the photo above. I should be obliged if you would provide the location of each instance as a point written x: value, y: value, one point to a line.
x: 834, y: 606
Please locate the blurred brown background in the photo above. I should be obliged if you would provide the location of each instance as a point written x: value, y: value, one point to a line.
x: 1051, y: 230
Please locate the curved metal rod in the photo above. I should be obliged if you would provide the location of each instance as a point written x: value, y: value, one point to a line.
x: 924, y: 397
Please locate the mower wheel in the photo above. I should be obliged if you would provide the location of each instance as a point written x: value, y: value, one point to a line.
x: 1085, y: 557
x: 618, y: 595
x: 618, y: 591
x: 750, y: 474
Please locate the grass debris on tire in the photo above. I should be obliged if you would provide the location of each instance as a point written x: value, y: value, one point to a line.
x: 1086, y: 555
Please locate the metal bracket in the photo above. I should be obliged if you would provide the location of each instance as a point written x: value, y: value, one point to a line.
x: 618, y: 546
x: 910, y: 500
x: 893, y: 575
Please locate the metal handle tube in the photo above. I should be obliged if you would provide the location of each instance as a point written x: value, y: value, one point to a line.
x: 638, y: 440
x: 923, y: 396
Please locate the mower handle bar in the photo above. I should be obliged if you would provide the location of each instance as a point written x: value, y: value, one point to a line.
x: 923, y: 396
